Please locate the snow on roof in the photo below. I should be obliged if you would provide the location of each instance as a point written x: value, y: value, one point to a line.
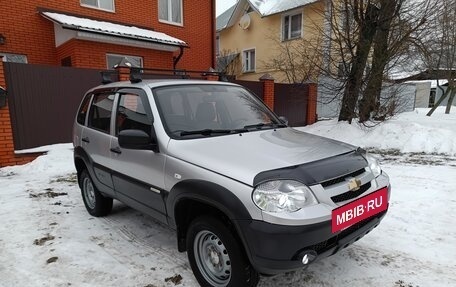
x: 270, y: 7
x: 110, y: 28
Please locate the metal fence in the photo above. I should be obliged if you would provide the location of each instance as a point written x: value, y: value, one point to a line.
x: 290, y: 101
x: 43, y: 101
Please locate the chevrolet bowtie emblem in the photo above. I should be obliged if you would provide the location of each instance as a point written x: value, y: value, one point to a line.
x: 354, y: 184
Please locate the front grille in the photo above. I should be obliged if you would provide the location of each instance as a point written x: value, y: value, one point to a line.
x: 342, y: 178
x: 351, y: 194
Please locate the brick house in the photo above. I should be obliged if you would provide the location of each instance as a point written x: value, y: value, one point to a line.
x: 97, y: 34
x: 29, y: 35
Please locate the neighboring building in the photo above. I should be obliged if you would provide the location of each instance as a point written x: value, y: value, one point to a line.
x: 250, y: 34
x: 100, y: 33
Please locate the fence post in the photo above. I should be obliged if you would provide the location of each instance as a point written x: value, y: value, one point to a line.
x: 268, y: 90
x: 311, y: 103
x: 6, y: 132
x: 124, y: 72
x: 211, y: 75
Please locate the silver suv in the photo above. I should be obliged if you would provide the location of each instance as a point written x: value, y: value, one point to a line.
x: 246, y: 194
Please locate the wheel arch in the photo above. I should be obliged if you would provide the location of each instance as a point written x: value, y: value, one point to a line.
x: 192, y: 198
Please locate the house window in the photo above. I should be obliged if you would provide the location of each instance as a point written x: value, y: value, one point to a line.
x: 170, y: 11
x: 249, y: 60
x: 14, y: 58
x: 217, y: 45
x: 292, y: 26
x: 99, y: 4
x: 114, y: 59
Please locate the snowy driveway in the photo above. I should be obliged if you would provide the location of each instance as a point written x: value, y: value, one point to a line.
x: 48, y: 239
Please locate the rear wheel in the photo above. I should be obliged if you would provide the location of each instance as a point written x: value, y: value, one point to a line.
x: 216, y: 257
x: 95, y: 203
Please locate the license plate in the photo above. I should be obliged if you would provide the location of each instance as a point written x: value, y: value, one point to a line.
x: 356, y: 211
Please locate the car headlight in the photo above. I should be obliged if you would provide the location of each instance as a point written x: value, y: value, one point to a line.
x: 283, y: 196
x: 373, y: 165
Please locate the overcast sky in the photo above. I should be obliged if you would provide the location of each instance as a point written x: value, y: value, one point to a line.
x: 222, y: 5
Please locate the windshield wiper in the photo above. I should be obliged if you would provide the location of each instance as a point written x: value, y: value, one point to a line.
x: 262, y: 125
x: 205, y: 132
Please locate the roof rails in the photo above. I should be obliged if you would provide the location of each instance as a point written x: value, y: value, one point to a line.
x: 136, y: 75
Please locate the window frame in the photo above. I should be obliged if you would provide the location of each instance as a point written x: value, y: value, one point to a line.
x: 89, y: 114
x: 87, y: 100
x: 170, y: 22
x: 7, y: 56
x: 145, y: 101
x: 246, y: 69
x: 98, y: 6
x: 120, y: 55
x: 290, y: 16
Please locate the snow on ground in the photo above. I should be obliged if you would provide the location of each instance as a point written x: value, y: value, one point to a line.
x: 48, y: 239
x: 407, y: 132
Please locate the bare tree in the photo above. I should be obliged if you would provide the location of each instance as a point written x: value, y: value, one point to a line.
x: 228, y: 62
x: 297, y: 60
x: 360, y: 43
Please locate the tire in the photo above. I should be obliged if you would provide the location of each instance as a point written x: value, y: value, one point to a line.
x: 95, y: 203
x: 226, y: 263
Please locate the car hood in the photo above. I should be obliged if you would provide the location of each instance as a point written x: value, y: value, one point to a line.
x: 243, y: 156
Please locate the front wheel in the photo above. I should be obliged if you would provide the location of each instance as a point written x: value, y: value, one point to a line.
x: 95, y: 203
x: 216, y: 257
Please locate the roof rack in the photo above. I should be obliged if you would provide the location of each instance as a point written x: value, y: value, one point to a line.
x: 136, y: 75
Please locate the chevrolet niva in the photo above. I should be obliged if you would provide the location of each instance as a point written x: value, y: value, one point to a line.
x: 245, y: 193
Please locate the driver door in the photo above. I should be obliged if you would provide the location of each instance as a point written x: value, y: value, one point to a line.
x: 138, y: 177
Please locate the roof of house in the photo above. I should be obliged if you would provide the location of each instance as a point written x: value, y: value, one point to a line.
x: 224, y: 18
x: 263, y: 7
x: 112, y: 29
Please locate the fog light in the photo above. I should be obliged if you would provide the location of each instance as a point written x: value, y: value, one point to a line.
x: 308, y: 256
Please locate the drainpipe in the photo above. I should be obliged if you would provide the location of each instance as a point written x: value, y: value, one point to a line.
x: 177, y: 59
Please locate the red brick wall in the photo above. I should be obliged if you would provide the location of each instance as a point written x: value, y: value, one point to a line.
x: 28, y: 33
x: 87, y: 54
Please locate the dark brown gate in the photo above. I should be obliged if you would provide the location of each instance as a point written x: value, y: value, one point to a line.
x: 291, y: 101
x: 255, y: 87
x: 43, y: 101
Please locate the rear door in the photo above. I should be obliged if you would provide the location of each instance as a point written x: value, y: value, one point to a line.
x: 96, y: 139
x: 138, y: 174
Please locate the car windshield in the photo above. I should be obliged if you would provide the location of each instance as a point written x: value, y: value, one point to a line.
x: 190, y: 111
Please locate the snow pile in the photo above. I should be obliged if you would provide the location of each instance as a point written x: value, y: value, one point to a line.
x: 407, y: 132
x: 56, y: 162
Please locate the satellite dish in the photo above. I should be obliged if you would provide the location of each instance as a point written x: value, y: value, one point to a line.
x: 244, y: 23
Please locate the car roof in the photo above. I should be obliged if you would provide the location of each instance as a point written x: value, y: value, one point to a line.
x: 160, y: 83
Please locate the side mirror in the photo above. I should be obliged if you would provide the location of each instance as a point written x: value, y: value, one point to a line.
x: 137, y: 139
x: 284, y: 120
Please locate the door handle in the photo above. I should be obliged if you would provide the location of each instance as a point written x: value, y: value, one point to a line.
x: 116, y: 150
x: 86, y: 139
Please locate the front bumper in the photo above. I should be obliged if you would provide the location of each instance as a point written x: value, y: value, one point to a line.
x: 275, y: 249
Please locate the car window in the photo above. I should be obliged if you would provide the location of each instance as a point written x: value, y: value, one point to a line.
x: 131, y: 114
x: 100, y: 112
x: 82, y: 113
x: 187, y: 108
